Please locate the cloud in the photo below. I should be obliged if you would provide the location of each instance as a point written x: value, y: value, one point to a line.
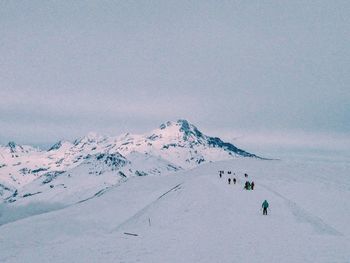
x: 282, y: 142
x: 68, y: 68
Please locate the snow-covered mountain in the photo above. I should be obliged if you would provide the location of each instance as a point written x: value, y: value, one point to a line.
x: 94, y: 162
x: 180, y: 143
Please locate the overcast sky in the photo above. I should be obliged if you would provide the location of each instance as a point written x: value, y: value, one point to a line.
x: 259, y: 70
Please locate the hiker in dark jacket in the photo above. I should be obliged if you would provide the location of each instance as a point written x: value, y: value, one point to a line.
x: 245, y: 175
x: 234, y: 180
x: 229, y: 180
x: 252, y: 185
x: 264, y: 206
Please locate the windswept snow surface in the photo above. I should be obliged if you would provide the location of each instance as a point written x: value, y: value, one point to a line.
x: 195, y: 216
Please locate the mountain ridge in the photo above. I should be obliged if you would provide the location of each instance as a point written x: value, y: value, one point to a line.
x: 175, y: 145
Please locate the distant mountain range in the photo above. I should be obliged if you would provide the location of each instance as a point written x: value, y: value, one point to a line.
x: 90, y: 164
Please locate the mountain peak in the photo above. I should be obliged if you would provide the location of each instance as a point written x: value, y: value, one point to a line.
x: 189, y: 129
x: 91, y: 137
x: 182, y: 128
x: 11, y: 144
x: 183, y: 122
x: 181, y: 133
x: 14, y: 146
x: 175, y: 123
x: 56, y: 146
x: 166, y: 124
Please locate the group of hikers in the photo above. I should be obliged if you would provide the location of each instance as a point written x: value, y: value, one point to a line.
x: 247, y: 186
x: 234, y: 181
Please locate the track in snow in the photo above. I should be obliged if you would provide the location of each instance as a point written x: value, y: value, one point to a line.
x: 142, y: 211
x: 301, y: 214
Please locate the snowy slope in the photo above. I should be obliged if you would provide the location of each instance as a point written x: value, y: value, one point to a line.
x: 197, y: 217
x: 6, y: 190
x: 16, y: 164
x: 92, y: 177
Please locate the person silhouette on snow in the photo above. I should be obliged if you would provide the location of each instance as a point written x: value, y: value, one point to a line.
x: 252, y: 185
x: 229, y: 180
x: 264, y: 206
x: 234, y: 180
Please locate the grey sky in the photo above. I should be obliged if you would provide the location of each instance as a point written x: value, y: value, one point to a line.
x: 230, y: 67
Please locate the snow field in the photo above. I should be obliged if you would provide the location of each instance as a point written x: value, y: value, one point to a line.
x: 194, y: 216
